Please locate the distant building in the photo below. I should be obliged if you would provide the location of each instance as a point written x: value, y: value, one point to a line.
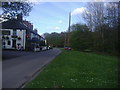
x: 19, y: 34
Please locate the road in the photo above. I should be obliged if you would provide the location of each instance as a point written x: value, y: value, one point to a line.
x: 10, y: 54
x: 19, y: 70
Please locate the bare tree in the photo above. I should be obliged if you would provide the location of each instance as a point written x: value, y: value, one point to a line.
x: 113, y: 22
x: 94, y: 16
x: 112, y: 14
x: 102, y: 18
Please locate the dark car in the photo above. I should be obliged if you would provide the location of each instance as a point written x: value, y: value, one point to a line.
x: 51, y: 47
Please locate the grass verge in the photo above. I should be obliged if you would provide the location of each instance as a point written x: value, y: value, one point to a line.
x: 74, y: 69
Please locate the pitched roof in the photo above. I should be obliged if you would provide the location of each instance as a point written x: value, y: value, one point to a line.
x: 16, y: 24
x: 13, y: 24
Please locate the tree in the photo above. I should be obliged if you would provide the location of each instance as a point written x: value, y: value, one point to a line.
x: 102, y: 20
x: 94, y: 14
x: 119, y: 26
x: 55, y: 39
x: 11, y: 9
x: 80, y: 38
x: 112, y: 14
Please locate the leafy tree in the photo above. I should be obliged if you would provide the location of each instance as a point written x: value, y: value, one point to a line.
x: 80, y: 37
x: 55, y: 39
x: 14, y: 8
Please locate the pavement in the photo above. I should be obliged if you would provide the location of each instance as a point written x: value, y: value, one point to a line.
x: 17, y: 71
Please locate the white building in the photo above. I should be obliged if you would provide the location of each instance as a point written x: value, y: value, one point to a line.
x: 18, y: 35
x: 11, y: 39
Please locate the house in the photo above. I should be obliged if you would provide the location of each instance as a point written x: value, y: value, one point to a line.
x: 19, y: 34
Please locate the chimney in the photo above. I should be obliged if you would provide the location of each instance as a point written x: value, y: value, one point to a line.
x: 19, y: 17
x: 35, y: 30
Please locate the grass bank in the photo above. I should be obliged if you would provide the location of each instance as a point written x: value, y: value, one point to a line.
x: 73, y: 69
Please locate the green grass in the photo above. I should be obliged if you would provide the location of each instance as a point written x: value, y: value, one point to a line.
x: 73, y: 69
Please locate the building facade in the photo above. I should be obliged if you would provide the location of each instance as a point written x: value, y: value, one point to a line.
x: 11, y: 39
x: 19, y: 34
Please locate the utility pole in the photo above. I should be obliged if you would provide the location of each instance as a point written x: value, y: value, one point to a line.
x: 65, y: 43
x: 68, y: 39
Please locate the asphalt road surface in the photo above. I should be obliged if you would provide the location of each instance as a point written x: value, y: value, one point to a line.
x: 17, y: 71
x: 10, y: 54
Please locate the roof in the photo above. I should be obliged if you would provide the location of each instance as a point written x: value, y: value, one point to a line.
x: 16, y: 24
x: 13, y: 24
x: 33, y: 40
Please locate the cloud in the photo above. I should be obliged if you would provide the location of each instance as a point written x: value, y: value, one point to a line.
x: 53, y: 28
x: 60, y: 21
x: 56, y: 28
x: 78, y: 11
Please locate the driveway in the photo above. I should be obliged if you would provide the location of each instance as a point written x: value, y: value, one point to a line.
x: 19, y: 70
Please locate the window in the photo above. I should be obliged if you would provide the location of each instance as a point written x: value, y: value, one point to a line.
x: 9, y: 42
x: 5, y: 32
x: 14, y: 32
x: 3, y: 43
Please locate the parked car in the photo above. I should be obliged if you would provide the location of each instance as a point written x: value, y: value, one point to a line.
x: 36, y: 48
x: 67, y: 48
x: 44, y: 48
x: 50, y: 47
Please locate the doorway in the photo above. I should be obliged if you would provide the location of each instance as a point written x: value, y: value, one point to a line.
x: 14, y: 43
